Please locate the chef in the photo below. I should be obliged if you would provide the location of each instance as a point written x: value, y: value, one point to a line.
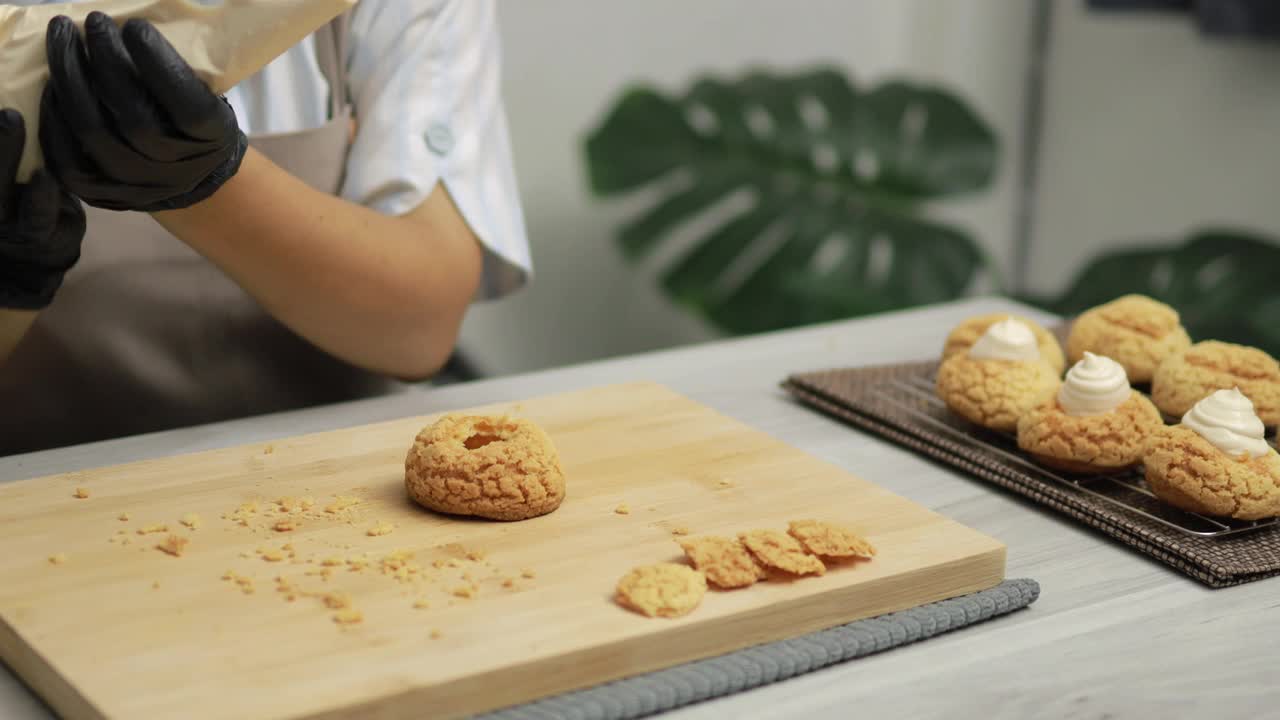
x: 313, y: 237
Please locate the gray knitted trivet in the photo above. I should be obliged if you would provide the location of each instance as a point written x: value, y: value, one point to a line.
x: 756, y: 666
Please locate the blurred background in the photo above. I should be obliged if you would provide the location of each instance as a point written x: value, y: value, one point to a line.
x: 696, y: 169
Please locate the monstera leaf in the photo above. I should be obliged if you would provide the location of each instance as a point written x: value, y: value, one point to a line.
x: 802, y: 195
x: 1224, y: 285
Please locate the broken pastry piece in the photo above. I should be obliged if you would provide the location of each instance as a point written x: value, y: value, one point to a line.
x: 780, y: 551
x: 663, y: 590
x: 829, y: 540
x: 725, y: 561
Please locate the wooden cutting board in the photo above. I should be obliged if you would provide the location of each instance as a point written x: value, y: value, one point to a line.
x: 120, y: 629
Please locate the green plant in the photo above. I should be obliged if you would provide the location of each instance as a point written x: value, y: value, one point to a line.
x: 1223, y: 283
x: 814, y: 191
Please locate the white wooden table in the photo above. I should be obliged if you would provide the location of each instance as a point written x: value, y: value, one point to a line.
x: 1113, y: 635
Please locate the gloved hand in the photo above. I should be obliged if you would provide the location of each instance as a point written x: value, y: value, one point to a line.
x: 125, y: 124
x: 41, y: 226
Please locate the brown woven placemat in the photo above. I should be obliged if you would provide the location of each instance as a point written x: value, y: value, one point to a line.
x: 858, y: 396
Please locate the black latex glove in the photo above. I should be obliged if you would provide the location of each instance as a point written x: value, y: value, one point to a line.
x: 41, y: 226
x: 126, y: 124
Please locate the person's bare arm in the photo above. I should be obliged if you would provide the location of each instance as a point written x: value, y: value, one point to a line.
x: 385, y: 293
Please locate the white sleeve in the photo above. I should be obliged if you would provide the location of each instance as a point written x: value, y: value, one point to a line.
x: 425, y: 80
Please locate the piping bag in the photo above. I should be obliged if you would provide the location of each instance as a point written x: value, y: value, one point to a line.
x: 224, y: 43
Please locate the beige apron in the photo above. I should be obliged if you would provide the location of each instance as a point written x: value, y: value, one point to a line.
x: 146, y: 335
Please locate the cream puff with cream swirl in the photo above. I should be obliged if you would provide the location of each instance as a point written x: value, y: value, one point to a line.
x: 1097, y: 424
x: 1006, y: 340
x: 1227, y: 420
x: 1095, y: 385
x: 1216, y: 461
x: 999, y: 378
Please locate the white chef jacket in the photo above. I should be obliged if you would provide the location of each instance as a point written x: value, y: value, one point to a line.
x: 424, y: 79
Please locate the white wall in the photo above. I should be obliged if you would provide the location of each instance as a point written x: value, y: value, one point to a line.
x: 1151, y: 131
x: 567, y: 60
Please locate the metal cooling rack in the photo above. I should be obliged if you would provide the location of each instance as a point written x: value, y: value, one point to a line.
x: 1127, y: 489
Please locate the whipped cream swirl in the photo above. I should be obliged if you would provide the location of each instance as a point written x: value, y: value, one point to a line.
x: 1094, y: 386
x: 1006, y: 340
x: 1227, y: 420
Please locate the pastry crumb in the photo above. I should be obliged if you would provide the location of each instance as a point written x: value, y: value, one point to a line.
x: 725, y: 483
x: 509, y: 583
x: 287, y: 504
x: 273, y: 555
x: 464, y: 591
x: 680, y: 531
x: 399, y: 565
x: 285, y: 526
x: 241, y: 514
x: 155, y: 585
x: 174, y: 545
x: 58, y: 559
x: 382, y: 528
x: 436, y: 634
x: 81, y: 493
x: 340, y: 503
x: 475, y: 555
x: 622, y: 509
x: 123, y: 517
x: 421, y: 604
x: 268, y: 449
x: 244, y: 583
x: 528, y: 574
x: 153, y: 528
x: 348, y: 616
x: 336, y: 601
x: 333, y: 561
x: 191, y: 520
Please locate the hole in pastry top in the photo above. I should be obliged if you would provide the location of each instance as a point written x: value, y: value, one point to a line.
x: 486, y: 431
x: 479, y: 440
